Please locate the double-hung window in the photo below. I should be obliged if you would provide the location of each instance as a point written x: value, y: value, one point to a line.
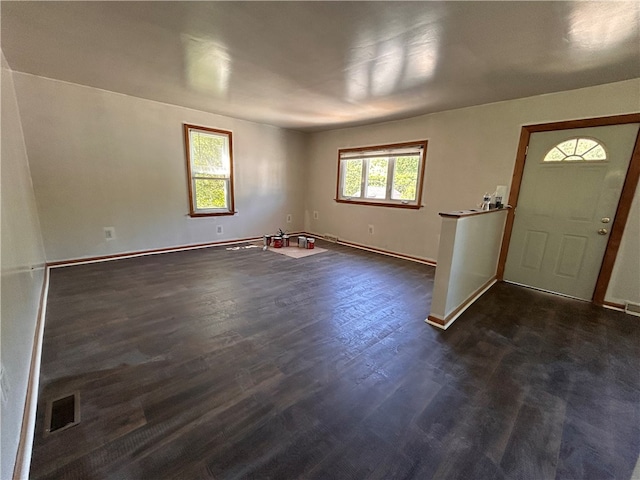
x: 210, y: 168
x: 385, y: 175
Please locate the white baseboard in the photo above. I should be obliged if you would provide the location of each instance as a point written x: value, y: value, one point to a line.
x: 388, y: 253
x: 446, y: 322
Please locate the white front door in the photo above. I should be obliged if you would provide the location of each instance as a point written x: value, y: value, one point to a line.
x: 568, y: 199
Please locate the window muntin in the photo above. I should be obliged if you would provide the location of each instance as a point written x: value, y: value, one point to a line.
x: 389, y: 175
x: 577, y: 149
x: 210, y: 167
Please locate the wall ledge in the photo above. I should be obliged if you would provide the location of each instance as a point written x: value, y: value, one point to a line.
x: 472, y: 212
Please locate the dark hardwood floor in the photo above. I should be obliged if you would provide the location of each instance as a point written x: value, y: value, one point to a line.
x: 225, y: 364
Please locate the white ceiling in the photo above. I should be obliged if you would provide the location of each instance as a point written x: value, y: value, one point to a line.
x: 319, y: 65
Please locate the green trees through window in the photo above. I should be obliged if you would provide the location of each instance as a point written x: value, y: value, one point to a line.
x: 405, y: 178
x: 210, y: 169
x: 390, y: 174
x: 352, y: 178
x: 211, y: 194
x: 377, y: 170
x: 207, y: 153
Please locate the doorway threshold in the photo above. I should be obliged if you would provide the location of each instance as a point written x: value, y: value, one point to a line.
x: 547, y: 291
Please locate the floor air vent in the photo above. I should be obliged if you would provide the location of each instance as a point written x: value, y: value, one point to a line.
x: 632, y: 309
x: 62, y: 413
x: 330, y: 237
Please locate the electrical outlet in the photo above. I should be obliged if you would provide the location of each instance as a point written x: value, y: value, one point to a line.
x: 289, y: 218
x: 109, y: 233
x: 315, y: 215
x: 219, y: 229
x: 370, y: 229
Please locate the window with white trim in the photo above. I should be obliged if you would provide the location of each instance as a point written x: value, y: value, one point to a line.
x: 385, y: 175
x: 210, y: 168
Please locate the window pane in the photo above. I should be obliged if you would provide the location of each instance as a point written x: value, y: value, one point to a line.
x: 377, y: 178
x: 568, y: 147
x: 211, y: 194
x: 596, y: 153
x: 405, y: 178
x: 352, y: 178
x: 554, y: 155
x: 585, y: 144
x: 209, y: 155
x: 576, y: 150
x: 383, y: 175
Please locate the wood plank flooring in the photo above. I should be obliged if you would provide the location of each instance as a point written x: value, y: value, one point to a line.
x: 237, y: 363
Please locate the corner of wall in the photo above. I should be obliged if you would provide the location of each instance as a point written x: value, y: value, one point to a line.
x: 23, y: 281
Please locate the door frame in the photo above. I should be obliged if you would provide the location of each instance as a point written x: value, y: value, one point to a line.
x: 624, y: 203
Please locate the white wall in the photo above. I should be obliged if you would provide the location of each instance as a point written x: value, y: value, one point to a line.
x: 625, y: 278
x: 102, y: 159
x: 22, y: 259
x: 467, y: 261
x: 470, y: 152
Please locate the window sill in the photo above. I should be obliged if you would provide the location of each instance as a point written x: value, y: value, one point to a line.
x: 210, y: 214
x: 380, y: 204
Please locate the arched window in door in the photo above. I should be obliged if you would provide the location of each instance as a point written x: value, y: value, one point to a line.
x: 577, y: 150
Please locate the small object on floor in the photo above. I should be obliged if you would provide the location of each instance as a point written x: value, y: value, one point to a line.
x: 295, y: 252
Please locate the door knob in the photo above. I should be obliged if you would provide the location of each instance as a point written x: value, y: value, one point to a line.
x: 602, y: 231
x: 605, y: 220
